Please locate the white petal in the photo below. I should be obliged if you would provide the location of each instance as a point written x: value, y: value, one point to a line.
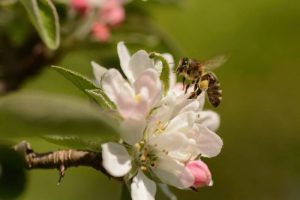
x: 191, y: 105
x: 129, y: 107
x: 173, y: 173
x: 123, y: 95
x: 114, y: 84
x: 176, y: 144
x: 209, y: 144
x: 149, y: 81
x: 167, y: 192
x: 138, y: 63
x: 209, y: 119
x: 124, y: 57
x: 142, y: 188
x: 98, y: 72
x: 116, y: 159
x: 165, y: 111
x: 132, y: 130
x: 201, y: 99
x: 182, y: 122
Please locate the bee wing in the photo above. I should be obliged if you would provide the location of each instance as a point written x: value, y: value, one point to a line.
x: 215, y: 62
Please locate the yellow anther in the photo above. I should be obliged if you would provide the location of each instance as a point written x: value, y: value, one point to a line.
x: 138, y: 98
x: 160, y: 127
x: 143, y: 157
x: 143, y: 168
x: 137, y: 146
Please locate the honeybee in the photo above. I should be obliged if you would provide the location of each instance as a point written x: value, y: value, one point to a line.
x: 198, y: 73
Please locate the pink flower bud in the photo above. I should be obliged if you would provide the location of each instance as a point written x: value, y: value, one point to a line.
x: 112, y: 12
x: 100, y: 32
x: 81, y: 6
x: 200, y: 172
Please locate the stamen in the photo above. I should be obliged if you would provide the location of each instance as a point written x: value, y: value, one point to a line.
x: 143, y: 168
x: 137, y: 146
x: 143, y: 157
x: 138, y: 98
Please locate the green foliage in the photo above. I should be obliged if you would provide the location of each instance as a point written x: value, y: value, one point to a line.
x: 87, y: 86
x: 75, y: 142
x: 32, y: 114
x: 12, y: 173
x: 165, y: 72
x: 101, y: 98
x: 44, y: 17
x: 80, y: 81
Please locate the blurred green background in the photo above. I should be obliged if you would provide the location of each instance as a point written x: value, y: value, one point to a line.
x: 260, y: 112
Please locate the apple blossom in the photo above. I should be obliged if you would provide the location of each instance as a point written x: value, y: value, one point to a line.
x: 80, y: 5
x: 100, y: 32
x: 105, y: 13
x: 163, y: 134
x: 200, y: 172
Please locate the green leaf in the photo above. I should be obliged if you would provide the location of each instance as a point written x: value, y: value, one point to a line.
x: 165, y: 72
x: 80, y: 81
x: 75, y: 142
x: 102, y: 99
x: 36, y: 114
x: 12, y: 173
x: 87, y: 86
x: 44, y: 17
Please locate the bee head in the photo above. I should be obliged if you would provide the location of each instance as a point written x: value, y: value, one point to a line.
x: 183, y: 65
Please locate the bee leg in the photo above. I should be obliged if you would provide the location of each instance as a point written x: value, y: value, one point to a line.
x: 186, y: 88
x: 196, y: 84
x: 183, y: 82
x: 198, y: 92
x: 195, y: 94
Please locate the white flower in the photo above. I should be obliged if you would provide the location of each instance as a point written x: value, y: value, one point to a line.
x: 136, y: 96
x: 142, y: 90
x: 177, y: 113
x: 161, y: 133
x: 172, y: 138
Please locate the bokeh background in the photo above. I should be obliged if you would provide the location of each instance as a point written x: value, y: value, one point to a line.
x: 260, y: 112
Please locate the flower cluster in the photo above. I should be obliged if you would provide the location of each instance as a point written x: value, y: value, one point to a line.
x: 164, y: 134
x: 109, y: 14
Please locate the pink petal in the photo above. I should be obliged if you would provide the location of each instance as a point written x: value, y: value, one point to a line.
x: 149, y: 81
x: 112, y: 12
x: 81, y: 6
x: 100, y: 32
x: 200, y: 172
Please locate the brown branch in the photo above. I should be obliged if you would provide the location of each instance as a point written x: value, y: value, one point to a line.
x: 61, y: 159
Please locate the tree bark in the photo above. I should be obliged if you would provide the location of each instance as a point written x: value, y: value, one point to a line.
x: 61, y: 159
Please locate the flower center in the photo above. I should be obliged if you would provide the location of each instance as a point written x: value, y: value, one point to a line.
x: 145, y: 156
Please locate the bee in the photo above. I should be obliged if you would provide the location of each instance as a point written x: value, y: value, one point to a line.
x: 198, y: 73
